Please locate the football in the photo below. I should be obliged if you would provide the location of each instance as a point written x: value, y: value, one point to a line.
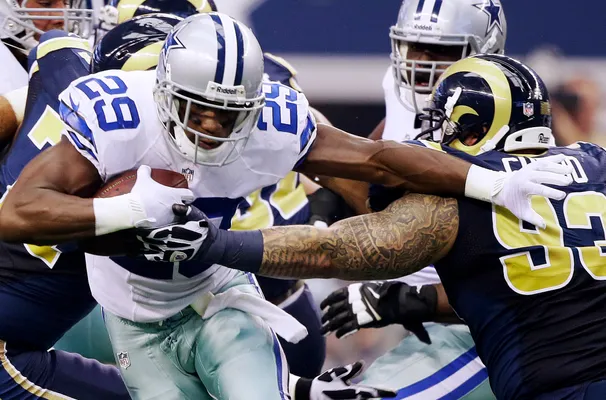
x: 124, y: 182
x: 122, y: 242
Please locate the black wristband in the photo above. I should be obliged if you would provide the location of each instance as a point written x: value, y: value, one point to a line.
x: 241, y: 250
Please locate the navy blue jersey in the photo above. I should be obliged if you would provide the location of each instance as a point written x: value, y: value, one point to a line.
x: 535, y: 299
x: 44, y: 291
x: 54, y: 64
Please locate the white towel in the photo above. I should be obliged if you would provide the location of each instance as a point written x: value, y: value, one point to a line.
x: 280, y: 321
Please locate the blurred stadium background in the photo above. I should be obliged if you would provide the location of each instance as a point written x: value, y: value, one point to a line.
x: 341, y: 51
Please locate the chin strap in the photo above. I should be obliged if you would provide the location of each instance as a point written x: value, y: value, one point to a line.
x: 492, y: 143
x: 452, y: 102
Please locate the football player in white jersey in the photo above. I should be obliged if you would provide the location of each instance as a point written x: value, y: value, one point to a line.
x: 204, y: 112
x: 428, y: 37
x: 283, y: 203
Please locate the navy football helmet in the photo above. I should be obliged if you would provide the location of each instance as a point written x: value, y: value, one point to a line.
x: 494, y: 99
x: 133, y: 45
x: 119, y: 11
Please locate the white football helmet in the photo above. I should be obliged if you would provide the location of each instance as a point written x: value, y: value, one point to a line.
x: 210, y: 60
x: 474, y: 26
x: 17, y: 20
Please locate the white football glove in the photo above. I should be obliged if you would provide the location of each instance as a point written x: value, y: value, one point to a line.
x: 335, y: 384
x: 513, y: 190
x: 156, y: 200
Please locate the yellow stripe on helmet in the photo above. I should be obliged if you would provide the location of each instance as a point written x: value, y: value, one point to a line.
x: 127, y: 9
x: 499, y: 85
x: 202, y: 6
x: 144, y: 59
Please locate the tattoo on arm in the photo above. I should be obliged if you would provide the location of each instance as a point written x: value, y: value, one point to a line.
x: 410, y: 234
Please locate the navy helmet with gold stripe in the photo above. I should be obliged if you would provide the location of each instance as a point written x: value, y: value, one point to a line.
x: 491, y: 102
x: 133, y: 45
x: 119, y: 11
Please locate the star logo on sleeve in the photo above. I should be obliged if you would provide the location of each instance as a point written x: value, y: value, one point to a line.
x: 493, y: 10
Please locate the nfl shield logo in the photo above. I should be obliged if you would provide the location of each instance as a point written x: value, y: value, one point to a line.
x: 528, y: 109
x: 189, y: 173
x: 123, y: 359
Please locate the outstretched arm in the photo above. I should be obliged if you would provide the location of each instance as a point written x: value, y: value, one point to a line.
x: 410, y: 234
x: 422, y: 170
x: 414, y: 168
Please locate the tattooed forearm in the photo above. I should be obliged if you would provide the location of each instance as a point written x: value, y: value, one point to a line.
x: 410, y: 234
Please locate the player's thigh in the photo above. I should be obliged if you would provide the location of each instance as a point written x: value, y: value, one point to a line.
x: 88, y: 338
x: 239, y: 357
x: 306, y: 357
x: 148, y: 356
x: 56, y: 375
x: 449, y: 366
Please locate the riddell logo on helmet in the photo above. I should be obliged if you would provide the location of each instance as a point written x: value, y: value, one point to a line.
x: 423, y: 27
x: 225, y: 90
x: 216, y: 89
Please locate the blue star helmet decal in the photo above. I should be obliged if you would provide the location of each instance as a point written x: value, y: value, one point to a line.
x: 172, y: 42
x: 493, y: 10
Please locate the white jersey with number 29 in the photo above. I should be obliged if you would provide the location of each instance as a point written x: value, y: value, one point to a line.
x: 112, y: 121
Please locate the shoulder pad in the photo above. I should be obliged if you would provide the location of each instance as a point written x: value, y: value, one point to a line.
x: 57, y: 40
x: 280, y: 70
x: 102, y: 116
x: 287, y: 111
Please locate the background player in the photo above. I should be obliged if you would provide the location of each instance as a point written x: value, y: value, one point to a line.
x: 23, y: 21
x: 429, y: 36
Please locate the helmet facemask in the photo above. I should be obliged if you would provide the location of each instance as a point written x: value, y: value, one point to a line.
x: 415, y: 79
x: 442, y: 128
x: 20, y: 24
x: 175, y: 103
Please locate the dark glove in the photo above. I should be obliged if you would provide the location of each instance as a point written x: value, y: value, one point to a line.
x: 326, y: 206
x: 378, y: 304
x: 187, y: 240
x: 335, y: 384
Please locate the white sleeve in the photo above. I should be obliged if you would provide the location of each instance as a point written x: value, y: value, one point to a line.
x: 95, y: 129
x: 307, y: 132
x: 11, y: 69
x: 286, y: 119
